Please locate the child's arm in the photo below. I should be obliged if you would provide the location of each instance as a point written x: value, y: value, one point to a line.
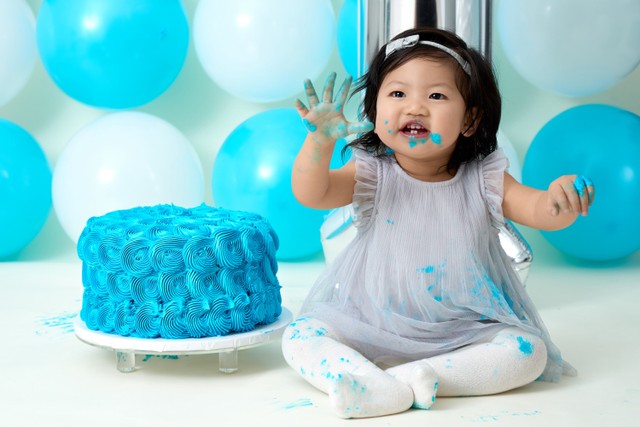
x: 553, y: 209
x: 313, y: 183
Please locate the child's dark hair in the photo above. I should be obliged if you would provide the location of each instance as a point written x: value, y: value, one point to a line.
x: 479, y: 91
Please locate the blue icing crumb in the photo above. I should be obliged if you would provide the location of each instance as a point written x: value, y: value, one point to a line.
x: 427, y: 269
x: 299, y: 403
x: 525, y: 346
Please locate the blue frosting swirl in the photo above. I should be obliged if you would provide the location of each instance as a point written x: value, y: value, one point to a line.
x: 228, y: 247
x: 172, y: 286
x: 109, y: 251
x: 147, y: 320
x: 199, y: 254
x: 118, y: 286
x: 106, y: 317
x: 123, y: 318
x: 196, y: 320
x: 166, y: 254
x: 172, y: 323
x: 145, y: 289
x: 253, y: 244
x: 232, y: 281
x: 135, y: 257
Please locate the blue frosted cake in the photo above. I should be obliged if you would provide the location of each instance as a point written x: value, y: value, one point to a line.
x: 169, y: 272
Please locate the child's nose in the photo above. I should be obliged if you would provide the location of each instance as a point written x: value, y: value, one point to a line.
x: 417, y: 106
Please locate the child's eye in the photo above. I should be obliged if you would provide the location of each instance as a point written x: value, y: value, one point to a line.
x: 397, y: 94
x: 437, y: 96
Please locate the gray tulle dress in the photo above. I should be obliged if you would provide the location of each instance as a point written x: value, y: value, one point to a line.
x: 425, y: 274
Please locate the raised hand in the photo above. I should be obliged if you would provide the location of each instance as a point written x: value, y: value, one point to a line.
x: 325, y: 118
x: 570, y: 194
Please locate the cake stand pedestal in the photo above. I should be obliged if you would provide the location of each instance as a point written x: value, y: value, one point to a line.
x: 227, y: 346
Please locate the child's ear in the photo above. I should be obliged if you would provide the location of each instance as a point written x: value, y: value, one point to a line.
x: 471, y: 122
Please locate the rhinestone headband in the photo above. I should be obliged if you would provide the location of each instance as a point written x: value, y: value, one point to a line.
x: 413, y: 40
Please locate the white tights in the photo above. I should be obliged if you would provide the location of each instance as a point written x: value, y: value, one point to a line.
x: 358, y: 388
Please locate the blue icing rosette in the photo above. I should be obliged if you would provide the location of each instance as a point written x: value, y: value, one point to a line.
x: 135, y: 258
x: 118, y: 286
x: 172, y: 286
x: 109, y: 251
x: 147, y: 319
x: 199, y: 254
x: 123, y: 318
x: 166, y: 254
x: 228, y: 248
x: 145, y: 289
x: 172, y: 322
x: 196, y: 317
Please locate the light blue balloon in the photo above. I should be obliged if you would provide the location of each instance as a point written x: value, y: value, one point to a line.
x: 252, y: 172
x: 570, y: 47
x: 25, y: 188
x: 600, y: 142
x: 261, y: 50
x: 348, y: 36
x: 113, y: 53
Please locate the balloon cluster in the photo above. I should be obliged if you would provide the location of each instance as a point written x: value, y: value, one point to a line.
x: 598, y: 141
x: 119, y: 55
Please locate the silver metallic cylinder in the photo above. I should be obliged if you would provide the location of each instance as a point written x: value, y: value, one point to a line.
x: 381, y: 20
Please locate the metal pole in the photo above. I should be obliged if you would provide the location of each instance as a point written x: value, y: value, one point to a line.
x: 380, y: 20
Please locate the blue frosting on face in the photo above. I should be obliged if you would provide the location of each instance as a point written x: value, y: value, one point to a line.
x: 169, y: 272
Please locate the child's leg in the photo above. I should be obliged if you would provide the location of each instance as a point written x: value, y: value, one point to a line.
x: 357, y: 387
x: 513, y: 358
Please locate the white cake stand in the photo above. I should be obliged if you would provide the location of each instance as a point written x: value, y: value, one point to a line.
x: 126, y: 348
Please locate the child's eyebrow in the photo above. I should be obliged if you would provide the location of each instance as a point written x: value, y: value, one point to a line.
x: 431, y: 85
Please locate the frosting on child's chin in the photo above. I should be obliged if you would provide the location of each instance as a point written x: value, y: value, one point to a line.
x: 435, y: 138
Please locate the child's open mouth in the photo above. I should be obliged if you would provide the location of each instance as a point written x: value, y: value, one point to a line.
x: 415, y: 130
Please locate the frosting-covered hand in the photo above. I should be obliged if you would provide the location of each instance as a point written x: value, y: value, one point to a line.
x: 571, y: 194
x: 325, y: 118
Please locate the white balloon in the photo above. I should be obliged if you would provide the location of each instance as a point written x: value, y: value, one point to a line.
x: 18, y: 52
x: 571, y: 47
x: 515, y: 168
x: 120, y: 161
x: 263, y: 50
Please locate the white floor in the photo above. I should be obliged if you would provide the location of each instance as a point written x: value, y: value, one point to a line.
x: 50, y: 378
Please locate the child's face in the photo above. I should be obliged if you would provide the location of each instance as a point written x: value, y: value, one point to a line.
x: 420, y: 112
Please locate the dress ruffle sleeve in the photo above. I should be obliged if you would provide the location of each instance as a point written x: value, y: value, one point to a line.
x: 364, y: 193
x: 492, y: 170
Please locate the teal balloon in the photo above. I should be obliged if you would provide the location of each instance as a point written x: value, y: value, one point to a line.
x: 600, y: 142
x: 25, y: 188
x: 348, y: 36
x: 252, y: 172
x: 113, y: 54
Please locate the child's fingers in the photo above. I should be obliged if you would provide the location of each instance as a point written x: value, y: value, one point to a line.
x: 586, y: 191
x: 573, y: 197
x: 341, y: 98
x: 312, y: 96
x: 359, y: 127
x: 591, y: 189
x: 327, y: 95
x: 558, y: 202
x: 302, y: 109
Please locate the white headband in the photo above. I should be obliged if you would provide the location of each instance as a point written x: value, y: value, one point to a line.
x: 413, y: 40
